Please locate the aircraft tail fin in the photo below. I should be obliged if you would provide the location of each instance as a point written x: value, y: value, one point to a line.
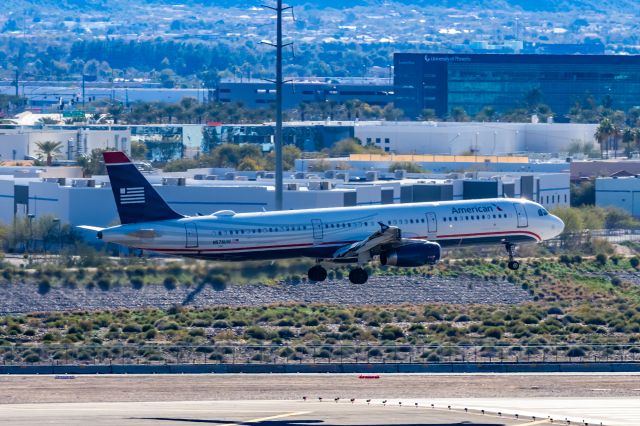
x: 137, y: 201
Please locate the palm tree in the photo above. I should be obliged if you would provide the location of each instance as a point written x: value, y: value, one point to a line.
x: 628, y: 137
x: 49, y: 149
x: 603, y: 135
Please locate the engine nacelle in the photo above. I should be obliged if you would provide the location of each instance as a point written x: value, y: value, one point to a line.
x: 412, y: 254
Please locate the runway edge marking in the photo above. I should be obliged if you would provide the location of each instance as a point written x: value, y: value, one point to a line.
x: 263, y: 419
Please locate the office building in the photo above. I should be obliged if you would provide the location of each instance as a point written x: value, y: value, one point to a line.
x: 442, y: 82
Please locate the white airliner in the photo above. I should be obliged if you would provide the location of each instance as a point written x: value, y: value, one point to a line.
x: 402, y: 235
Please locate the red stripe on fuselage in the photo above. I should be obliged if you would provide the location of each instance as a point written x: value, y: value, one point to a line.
x: 479, y: 234
x: 336, y: 243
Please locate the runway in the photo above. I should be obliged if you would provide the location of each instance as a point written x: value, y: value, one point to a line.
x: 323, y: 400
x: 236, y: 413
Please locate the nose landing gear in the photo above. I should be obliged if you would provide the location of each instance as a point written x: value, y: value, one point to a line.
x: 513, y: 264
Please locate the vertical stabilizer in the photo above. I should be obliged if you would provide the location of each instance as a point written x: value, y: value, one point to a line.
x: 137, y: 201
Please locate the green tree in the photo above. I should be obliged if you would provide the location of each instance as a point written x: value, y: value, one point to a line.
x: 410, y: 167
x: 604, y: 133
x: 47, y: 120
x: 628, y: 139
x: 428, y: 114
x: 349, y: 146
x: 290, y: 153
x: 49, y: 149
x: 115, y: 110
x: 458, y: 114
x: 572, y: 219
x: 92, y: 164
x: 583, y: 193
x: 139, y: 151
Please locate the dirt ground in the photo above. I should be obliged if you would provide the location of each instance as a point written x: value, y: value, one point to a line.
x: 42, y: 389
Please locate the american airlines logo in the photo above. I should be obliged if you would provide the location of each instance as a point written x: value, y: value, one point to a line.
x: 132, y: 195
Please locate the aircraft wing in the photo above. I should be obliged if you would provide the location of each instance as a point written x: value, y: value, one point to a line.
x: 387, y: 235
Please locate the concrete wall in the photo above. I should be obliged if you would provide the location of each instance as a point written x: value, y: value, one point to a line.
x: 435, y: 368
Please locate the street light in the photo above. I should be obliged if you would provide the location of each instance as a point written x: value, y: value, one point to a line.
x: 59, y: 225
x: 30, y: 216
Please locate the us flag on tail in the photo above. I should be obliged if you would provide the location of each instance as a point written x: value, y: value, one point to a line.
x: 132, y: 195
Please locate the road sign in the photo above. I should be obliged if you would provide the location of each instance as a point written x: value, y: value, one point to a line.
x: 72, y: 114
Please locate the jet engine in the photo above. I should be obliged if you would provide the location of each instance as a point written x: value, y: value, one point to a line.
x: 415, y: 253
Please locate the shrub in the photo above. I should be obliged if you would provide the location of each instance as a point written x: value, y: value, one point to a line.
x: 31, y: 358
x: 285, y: 333
x: 576, y: 353
x: 170, y: 283
x: 493, y: 332
x: 564, y: 259
x: 131, y: 328
x: 375, y: 352
x: 44, y: 287
x: 104, y: 284
x: 616, y: 281
x: 391, y: 332
x: 601, y: 259
x: 217, y: 281
x: 137, y: 283
x: 635, y: 262
x: 196, y: 332
x: 554, y: 310
x: 257, y: 333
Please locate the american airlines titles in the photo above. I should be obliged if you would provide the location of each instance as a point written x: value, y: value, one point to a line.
x: 479, y: 209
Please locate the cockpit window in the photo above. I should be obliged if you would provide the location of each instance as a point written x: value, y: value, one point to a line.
x: 543, y: 212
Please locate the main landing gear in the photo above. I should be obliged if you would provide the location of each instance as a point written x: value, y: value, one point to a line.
x: 357, y: 275
x: 317, y: 273
x: 513, y: 264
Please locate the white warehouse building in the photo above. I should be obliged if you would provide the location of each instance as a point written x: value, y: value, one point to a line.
x: 21, y: 142
x: 79, y: 201
x: 620, y: 192
x: 473, y: 137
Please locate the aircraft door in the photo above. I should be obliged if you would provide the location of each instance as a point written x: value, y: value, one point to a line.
x: 318, y: 231
x: 432, y: 223
x: 521, y: 214
x: 191, y: 234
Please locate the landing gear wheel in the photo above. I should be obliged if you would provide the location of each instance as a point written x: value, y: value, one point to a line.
x: 358, y: 276
x: 317, y: 274
x: 513, y: 264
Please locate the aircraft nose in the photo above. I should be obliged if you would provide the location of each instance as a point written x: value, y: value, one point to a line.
x: 557, y: 225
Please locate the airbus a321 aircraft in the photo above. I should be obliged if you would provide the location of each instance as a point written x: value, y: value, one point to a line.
x: 402, y: 235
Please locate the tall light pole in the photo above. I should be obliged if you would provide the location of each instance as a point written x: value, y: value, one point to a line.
x: 279, y: 45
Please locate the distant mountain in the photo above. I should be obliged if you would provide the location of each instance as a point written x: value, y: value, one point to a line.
x: 604, y: 6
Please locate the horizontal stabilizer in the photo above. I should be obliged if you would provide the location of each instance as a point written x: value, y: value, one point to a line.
x: 90, y: 228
